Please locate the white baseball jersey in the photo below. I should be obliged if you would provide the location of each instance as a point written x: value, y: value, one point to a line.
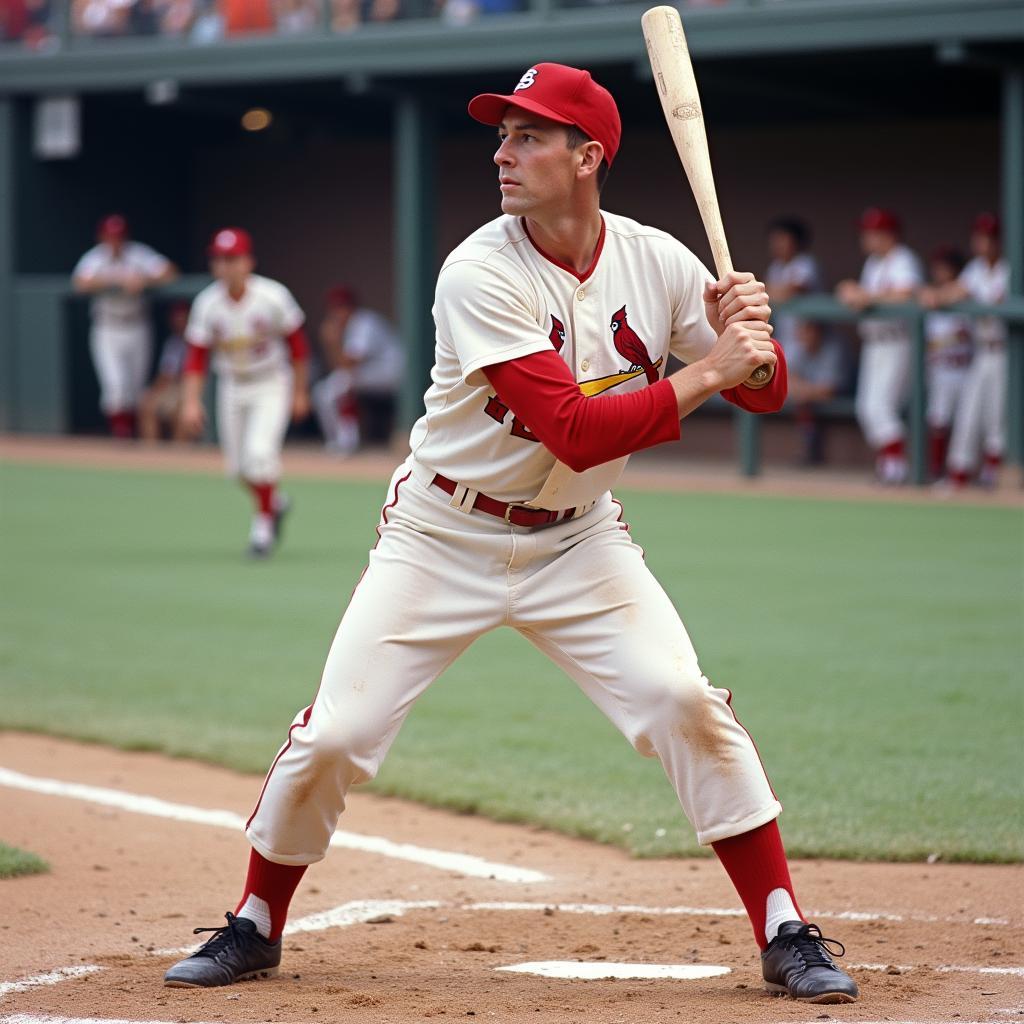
x: 247, y: 336
x: 802, y: 272
x: 897, y: 270
x: 987, y: 283
x: 949, y: 338
x: 499, y: 298
x: 375, y: 343
x: 113, y: 307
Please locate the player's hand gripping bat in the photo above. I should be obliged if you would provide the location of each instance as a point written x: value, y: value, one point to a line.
x: 677, y: 89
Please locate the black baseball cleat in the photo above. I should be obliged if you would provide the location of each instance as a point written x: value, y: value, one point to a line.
x: 237, y: 951
x: 797, y: 963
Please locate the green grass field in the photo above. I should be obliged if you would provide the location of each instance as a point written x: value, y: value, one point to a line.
x: 874, y: 651
x: 14, y: 862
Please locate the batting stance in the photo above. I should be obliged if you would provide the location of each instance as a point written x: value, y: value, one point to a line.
x: 554, y: 323
x: 116, y: 272
x: 255, y: 327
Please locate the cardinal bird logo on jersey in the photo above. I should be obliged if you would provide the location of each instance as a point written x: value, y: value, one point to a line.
x: 629, y: 344
x: 557, y: 334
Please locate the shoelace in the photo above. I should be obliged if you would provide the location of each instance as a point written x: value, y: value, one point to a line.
x: 813, y: 947
x: 222, y: 936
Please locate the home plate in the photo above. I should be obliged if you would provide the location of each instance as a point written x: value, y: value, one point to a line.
x: 598, y: 971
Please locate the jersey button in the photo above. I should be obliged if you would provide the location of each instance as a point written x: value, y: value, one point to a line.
x: 585, y: 365
x: 581, y: 294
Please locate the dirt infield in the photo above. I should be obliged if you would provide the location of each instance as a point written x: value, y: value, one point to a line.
x: 661, y: 470
x: 406, y: 941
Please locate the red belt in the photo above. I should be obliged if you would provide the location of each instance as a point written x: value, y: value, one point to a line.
x: 511, y: 511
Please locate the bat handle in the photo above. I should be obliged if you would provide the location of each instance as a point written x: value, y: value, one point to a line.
x: 762, y: 376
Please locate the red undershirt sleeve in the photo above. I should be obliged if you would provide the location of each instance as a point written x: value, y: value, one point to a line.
x: 579, y: 431
x: 767, y: 399
x: 197, y: 358
x: 298, y: 345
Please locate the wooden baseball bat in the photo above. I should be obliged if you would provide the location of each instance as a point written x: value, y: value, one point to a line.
x: 677, y: 90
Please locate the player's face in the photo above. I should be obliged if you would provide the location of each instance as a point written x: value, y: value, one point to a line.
x: 942, y: 272
x: 232, y: 270
x: 536, y: 169
x: 984, y: 245
x: 877, y: 243
x: 781, y: 245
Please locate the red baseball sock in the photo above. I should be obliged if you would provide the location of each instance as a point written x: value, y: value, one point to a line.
x: 894, y: 449
x: 264, y: 495
x: 122, y: 423
x: 756, y: 863
x: 274, y: 884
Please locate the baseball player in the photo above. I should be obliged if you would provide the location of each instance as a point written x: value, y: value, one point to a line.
x: 116, y: 272
x: 949, y: 353
x: 549, y: 321
x: 255, y: 328
x: 366, y: 359
x: 793, y: 271
x: 160, y: 403
x: 979, y: 422
x: 892, y: 273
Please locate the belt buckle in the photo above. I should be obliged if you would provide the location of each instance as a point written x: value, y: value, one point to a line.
x: 514, y: 505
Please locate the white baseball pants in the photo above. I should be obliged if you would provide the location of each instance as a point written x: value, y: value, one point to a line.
x: 980, y: 420
x: 252, y: 419
x: 945, y: 384
x: 578, y: 590
x: 121, y: 355
x: 881, y: 390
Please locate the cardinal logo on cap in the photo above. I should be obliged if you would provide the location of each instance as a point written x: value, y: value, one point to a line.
x: 527, y: 80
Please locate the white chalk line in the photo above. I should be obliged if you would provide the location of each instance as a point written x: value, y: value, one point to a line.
x: 591, y: 971
x: 444, y: 860
x: 941, y: 969
x: 48, y: 978
x: 629, y: 908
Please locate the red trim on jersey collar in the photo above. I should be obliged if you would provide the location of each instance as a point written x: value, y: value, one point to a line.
x: 565, y: 266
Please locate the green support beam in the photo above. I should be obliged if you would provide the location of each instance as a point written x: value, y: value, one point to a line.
x: 1013, y: 243
x: 415, y: 242
x: 916, y: 426
x: 8, y: 347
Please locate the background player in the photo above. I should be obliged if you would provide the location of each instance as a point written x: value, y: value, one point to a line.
x: 892, y: 273
x: 502, y: 515
x: 365, y: 360
x: 116, y: 272
x: 816, y: 361
x: 980, y: 418
x: 949, y: 353
x: 160, y: 404
x: 793, y: 271
x: 254, y: 326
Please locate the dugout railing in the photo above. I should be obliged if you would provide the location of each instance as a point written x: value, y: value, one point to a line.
x: 826, y: 308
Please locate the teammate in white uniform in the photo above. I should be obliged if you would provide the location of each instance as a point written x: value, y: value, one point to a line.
x: 892, y: 273
x: 554, y: 323
x: 366, y: 358
x: 116, y: 272
x: 792, y: 271
x: 979, y: 423
x: 254, y: 327
x: 949, y: 354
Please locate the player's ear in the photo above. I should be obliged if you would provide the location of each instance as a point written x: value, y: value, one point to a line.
x: 591, y: 155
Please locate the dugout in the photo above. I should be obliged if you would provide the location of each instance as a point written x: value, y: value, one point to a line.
x: 370, y: 171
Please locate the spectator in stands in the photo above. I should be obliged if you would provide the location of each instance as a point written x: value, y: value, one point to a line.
x: 816, y: 360
x: 979, y: 423
x: 161, y: 401
x: 294, y: 17
x: 365, y: 359
x: 792, y: 271
x: 891, y: 274
x: 949, y: 353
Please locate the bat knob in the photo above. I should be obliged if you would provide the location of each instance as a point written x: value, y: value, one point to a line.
x: 760, y: 377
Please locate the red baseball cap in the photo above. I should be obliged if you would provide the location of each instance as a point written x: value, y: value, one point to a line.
x: 341, y: 295
x: 876, y: 219
x: 986, y: 224
x: 231, y: 242
x: 563, y: 94
x: 112, y: 226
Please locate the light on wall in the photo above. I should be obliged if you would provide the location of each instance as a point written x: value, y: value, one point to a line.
x: 257, y: 119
